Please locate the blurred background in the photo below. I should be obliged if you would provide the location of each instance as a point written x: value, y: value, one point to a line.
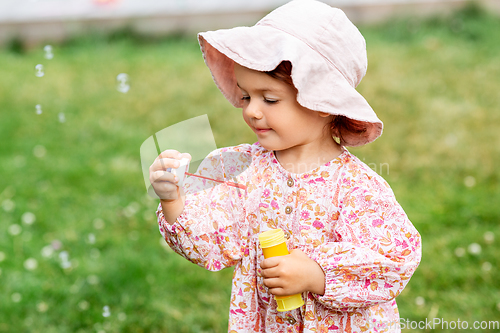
x: 83, y: 83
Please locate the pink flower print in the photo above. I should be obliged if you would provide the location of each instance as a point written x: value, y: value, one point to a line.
x: 377, y: 223
x: 321, y: 180
x: 318, y: 225
x: 304, y: 215
x: 274, y: 204
x: 263, y: 205
x: 231, y: 170
x: 237, y: 311
x: 403, y: 244
x: 217, y: 265
x: 220, y: 239
x: 266, y: 193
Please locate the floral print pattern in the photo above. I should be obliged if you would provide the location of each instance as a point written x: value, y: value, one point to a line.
x: 342, y: 215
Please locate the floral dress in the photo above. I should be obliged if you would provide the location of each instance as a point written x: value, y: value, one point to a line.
x: 342, y: 214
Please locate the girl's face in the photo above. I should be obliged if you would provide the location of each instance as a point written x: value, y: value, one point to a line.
x: 271, y: 110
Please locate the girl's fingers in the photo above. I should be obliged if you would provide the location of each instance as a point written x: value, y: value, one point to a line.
x: 270, y: 273
x: 163, y: 164
x: 162, y: 176
x: 186, y: 155
x: 170, y: 153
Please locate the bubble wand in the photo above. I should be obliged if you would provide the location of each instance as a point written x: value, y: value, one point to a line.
x: 243, y: 187
x: 181, y: 172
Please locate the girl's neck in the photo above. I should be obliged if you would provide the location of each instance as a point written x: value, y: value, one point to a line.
x: 301, y: 159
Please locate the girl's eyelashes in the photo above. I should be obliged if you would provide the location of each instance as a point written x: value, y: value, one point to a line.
x: 266, y: 100
x: 270, y: 101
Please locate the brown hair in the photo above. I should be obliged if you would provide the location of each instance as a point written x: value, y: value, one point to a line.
x: 340, y: 124
x: 283, y: 72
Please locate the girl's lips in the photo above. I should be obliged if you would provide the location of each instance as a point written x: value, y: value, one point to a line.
x: 262, y: 130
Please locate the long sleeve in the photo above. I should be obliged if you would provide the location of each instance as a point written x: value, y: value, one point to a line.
x: 377, y: 249
x: 211, y: 231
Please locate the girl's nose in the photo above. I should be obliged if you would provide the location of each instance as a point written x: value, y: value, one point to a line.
x: 252, y: 110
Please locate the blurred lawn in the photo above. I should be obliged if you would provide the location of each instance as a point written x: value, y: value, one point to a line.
x: 434, y: 83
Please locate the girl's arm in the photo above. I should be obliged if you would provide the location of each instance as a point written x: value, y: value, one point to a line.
x: 376, y: 252
x: 211, y: 231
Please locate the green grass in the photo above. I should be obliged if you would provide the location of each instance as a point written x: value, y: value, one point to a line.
x: 433, y: 82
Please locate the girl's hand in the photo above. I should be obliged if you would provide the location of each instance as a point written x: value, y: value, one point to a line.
x: 164, y: 182
x: 292, y: 274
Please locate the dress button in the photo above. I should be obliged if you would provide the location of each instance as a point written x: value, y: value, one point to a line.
x: 291, y: 320
x: 288, y: 209
x: 288, y: 234
x: 290, y: 182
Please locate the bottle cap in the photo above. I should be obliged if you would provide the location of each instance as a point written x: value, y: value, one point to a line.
x: 271, y: 238
x: 180, y: 172
x: 287, y: 303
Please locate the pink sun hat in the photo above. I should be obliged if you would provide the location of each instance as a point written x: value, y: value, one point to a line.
x: 327, y: 52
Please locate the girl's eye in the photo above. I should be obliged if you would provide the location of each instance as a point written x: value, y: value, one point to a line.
x: 270, y: 101
x: 245, y: 98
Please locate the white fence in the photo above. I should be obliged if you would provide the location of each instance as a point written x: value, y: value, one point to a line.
x: 37, y: 21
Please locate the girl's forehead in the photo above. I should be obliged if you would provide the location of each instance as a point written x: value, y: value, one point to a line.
x: 249, y: 79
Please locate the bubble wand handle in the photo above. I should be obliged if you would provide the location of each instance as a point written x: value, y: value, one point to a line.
x: 243, y: 187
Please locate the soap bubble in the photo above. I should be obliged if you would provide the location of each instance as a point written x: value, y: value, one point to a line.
x: 39, y: 70
x: 8, y: 205
x: 62, y: 117
x: 38, y: 108
x: 92, y: 279
x: 15, y: 229
x: 105, y: 311
x: 489, y: 237
x: 42, y: 307
x: 56, y: 244
x: 95, y: 253
x: 47, y: 251
x: 122, y: 83
x: 30, y: 264
x: 91, y: 238
x: 28, y: 218
x: 474, y: 248
x: 98, y: 223
x: 420, y: 301
x: 459, y: 251
x: 131, y: 209
x: 83, y: 305
x: 16, y: 297
x: 486, y: 266
x: 39, y: 151
x: 64, y: 256
x: 48, y: 52
x: 470, y: 181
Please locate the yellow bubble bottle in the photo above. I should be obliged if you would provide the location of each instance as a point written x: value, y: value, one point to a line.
x: 273, y: 244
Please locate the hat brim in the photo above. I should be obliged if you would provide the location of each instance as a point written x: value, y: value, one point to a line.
x: 321, y: 86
